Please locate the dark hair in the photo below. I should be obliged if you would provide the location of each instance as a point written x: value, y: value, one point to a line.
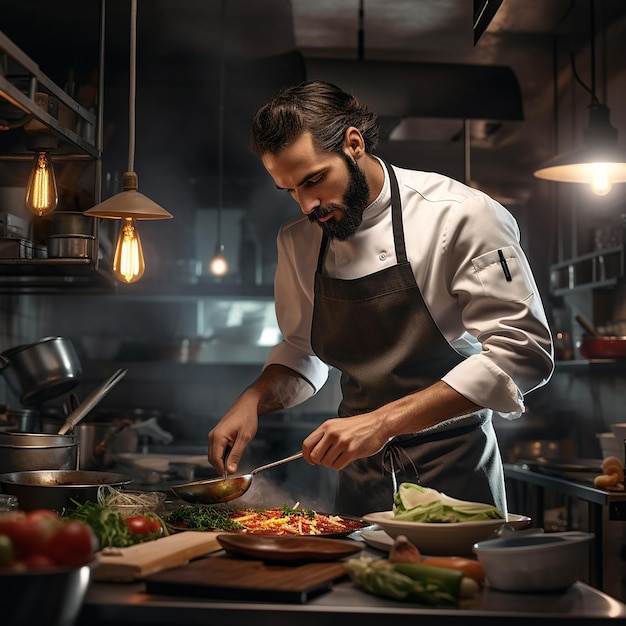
x: 322, y: 108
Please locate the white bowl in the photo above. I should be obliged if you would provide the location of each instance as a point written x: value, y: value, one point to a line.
x: 619, y: 430
x: 449, y: 539
x: 533, y: 561
x: 609, y: 446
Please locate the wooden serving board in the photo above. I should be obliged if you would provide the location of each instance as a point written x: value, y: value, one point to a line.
x: 226, y: 577
x: 134, y: 562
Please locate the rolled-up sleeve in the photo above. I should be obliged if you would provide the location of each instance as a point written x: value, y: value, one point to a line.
x: 489, y: 275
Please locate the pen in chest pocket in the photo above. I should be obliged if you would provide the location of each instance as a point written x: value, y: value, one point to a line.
x: 505, y: 267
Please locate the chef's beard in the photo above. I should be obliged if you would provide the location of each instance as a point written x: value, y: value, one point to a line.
x: 355, y: 201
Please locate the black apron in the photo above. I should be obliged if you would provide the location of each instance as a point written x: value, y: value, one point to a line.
x: 378, y: 332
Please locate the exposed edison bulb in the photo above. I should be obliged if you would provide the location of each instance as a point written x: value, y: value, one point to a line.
x: 218, y: 265
x: 600, y: 181
x: 41, y: 190
x: 128, y: 262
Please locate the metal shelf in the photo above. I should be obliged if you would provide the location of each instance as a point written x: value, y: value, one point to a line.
x: 594, y: 270
x: 26, y: 103
x: 46, y: 275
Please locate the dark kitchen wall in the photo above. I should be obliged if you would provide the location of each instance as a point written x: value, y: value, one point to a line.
x: 177, y: 162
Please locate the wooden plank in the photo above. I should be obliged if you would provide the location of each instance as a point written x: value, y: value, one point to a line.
x: 227, y: 577
x: 133, y: 562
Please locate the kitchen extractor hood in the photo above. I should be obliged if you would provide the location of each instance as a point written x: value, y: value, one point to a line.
x: 400, y: 90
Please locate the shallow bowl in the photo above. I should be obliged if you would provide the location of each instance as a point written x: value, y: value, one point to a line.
x: 453, y: 539
x: 534, y: 562
x: 143, y: 502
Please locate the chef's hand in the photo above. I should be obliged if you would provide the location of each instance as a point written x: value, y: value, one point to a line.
x: 339, y: 441
x: 234, y: 431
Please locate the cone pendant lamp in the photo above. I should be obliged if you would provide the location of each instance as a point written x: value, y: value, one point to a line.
x: 129, y: 205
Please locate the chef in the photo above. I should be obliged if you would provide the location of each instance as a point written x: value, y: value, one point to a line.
x: 414, y: 286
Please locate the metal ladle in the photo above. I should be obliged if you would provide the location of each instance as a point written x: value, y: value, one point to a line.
x: 217, y: 490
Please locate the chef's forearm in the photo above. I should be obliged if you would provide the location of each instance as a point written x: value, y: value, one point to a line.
x: 277, y: 388
x: 425, y: 408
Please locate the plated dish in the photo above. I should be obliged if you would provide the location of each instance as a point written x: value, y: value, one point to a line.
x: 276, y: 521
x: 288, y: 548
x: 453, y: 539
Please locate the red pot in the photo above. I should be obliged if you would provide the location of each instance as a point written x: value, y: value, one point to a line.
x: 603, y: 347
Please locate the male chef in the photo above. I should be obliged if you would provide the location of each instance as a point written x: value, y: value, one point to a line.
x: 414, y: 286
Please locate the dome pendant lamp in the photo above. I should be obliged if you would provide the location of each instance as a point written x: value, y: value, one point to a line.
x: 600, y: 162
x: 129, y: 205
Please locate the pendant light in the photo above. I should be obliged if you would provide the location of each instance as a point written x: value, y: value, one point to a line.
x: 218, y: 265
x: 129, y: 205
x: 600, y: 162
x: 41, y: 190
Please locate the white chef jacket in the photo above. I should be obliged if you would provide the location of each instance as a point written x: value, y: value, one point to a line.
x: 456, y: 238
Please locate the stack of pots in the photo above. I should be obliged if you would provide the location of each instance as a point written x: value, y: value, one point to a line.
x: 42, y: 370
x: 20, y: 452
x: 35, y: 373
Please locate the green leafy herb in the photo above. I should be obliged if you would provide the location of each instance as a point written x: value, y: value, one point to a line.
x: 198, y: 517
x: 108, y: 525
x: 294, y: 510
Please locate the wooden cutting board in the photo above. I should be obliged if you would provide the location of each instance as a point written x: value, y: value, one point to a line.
x: 134, y: 562
x: 231, y: 578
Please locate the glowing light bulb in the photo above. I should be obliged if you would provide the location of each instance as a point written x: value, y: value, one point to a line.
x: 218, y: 265
x: 41, y: 190
x: 128, y: 261
x: 600, y: 181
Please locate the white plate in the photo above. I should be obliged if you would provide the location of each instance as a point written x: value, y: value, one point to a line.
x: 378, y: 539
x: 449, y: 539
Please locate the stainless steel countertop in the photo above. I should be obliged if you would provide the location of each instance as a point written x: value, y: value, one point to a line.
x: 122, y: 604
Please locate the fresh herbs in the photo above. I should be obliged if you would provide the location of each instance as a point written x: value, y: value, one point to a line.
x: 199, y: 517
x: 294, y: 510
x: 110, y: 527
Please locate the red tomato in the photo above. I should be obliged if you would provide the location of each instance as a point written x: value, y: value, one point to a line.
x: 39, y: 561
x: 155, y: 525
x: 73, y: 544
x: 23, y: 535
x: 42, y: 515
x: 140, y: 525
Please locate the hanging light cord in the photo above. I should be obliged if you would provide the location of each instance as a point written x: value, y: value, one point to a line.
x: 133, y: 85
x: 220, y: 129
x: 592, y: 51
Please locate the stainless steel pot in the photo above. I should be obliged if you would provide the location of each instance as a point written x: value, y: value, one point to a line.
x: 37, y: 451
x: 71, y: 246
x: 57, y: 489
x: 42, y: 370
x: 100, y: 441
x: 72, y: 223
